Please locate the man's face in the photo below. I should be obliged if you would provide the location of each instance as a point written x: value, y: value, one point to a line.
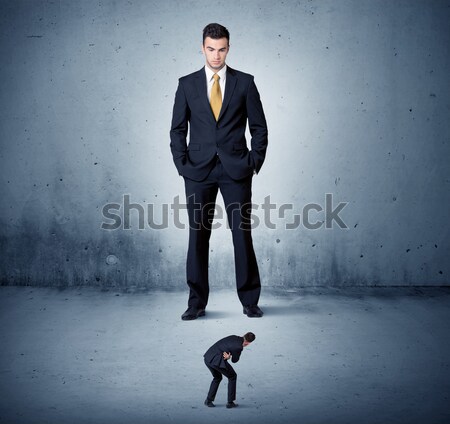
x: 215, y: 52
x: 246, y: 343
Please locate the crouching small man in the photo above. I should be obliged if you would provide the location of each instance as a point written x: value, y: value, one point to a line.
x: 216, y: 359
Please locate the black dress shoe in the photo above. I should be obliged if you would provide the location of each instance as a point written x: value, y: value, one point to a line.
x: 209, y: 403
x: 253, y: 311
x: 192, y: 313
x: 232, y: 405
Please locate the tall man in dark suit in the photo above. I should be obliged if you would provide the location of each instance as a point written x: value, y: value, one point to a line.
x: 216, y: 359
x: 215, y: 104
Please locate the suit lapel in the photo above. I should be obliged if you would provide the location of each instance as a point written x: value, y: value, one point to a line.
x: 230, y: 84
x: 201, y: 89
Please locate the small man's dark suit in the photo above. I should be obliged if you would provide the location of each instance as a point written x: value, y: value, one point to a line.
x: 218, y: 365
x: 217, y: 157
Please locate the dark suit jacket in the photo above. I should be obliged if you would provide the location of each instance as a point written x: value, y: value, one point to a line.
x: 230, y: 344
x: 207, y: 137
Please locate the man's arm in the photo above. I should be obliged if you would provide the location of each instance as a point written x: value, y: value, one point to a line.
x: 257, y: 126
x: 179, y: 128
x: 235, y: 355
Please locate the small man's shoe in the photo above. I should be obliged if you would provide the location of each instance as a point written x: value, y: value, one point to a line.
x: 209, y: 403
x: 253, y: 311
x: 232, y: 405
x: 192, y: 313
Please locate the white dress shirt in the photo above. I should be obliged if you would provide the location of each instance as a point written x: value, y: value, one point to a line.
x: 210, y: 80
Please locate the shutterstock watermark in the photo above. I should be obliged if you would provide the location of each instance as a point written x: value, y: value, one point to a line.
x: 312, y: 216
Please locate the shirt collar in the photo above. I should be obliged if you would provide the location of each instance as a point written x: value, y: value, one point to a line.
x: 209, y: 73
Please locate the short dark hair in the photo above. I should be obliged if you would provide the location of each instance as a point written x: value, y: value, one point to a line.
x: 249, y: 337
x: 215, y: 31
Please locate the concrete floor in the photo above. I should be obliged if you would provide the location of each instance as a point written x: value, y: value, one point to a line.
x: 320, y: 356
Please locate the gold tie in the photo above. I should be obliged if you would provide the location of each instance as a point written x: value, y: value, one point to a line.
x: 216, y: 97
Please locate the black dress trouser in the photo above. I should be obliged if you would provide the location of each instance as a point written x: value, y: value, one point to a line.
x: 201, y: 199
x: 217, y: 378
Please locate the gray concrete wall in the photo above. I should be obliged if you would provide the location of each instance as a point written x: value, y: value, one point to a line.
x: 356, y: 94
